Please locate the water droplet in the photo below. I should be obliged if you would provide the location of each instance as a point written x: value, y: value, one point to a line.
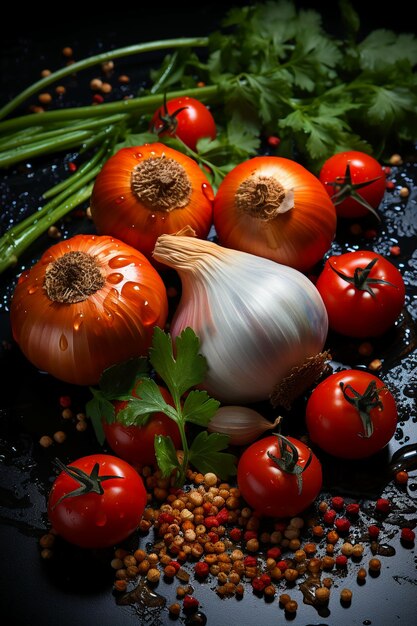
x: 120, y: 199
x: 138, y: 155
x: 101, y: 519
x: 207, y: 192
x: 78, y: 320
x: 63, y: 342
x: 122, y: 260
x: 33, y: 289
x: 404, y: 458
x: 115, y: 278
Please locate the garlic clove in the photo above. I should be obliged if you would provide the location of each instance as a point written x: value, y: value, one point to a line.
x: 241, y: 423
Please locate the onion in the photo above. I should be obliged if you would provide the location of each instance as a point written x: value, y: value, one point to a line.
x: 88, y: 303
x: 241, y: 423
x: 275, y: 208
x: 261, y: 325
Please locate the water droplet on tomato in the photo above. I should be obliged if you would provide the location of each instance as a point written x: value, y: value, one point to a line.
x: 122, y: 260
x: 78, y: 320
x: 207, y: 192
x: 120, y: 199
x: 63, y: 342
x: 115, y: 278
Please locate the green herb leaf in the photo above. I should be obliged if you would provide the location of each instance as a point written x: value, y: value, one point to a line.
x: 199, y: 408
x: 206, y: 454
x: 150, y: 401
x: 99, y: 408
x: 166, y: 455
x: 118, y: 381
x: 187, y: 369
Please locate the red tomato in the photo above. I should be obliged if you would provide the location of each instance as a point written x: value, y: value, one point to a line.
x: 135, y: 444
x: 270, y: 490
x: 100, y: 507
x: 351, y: 414
x: 351, y: 179
x: 363, y: 293
x: 185, y: 118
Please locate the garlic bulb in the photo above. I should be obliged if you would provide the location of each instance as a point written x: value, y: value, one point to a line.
x: 258, y: 322
x: 241, y: 423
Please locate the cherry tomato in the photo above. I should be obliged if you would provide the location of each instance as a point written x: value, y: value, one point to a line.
x: 135, y: 444
x: 355, y: 181
x: 271, y: 490
x: 351, y: 414
x: 96, y: 501
x: 185, y: 118
x: 363, y: 293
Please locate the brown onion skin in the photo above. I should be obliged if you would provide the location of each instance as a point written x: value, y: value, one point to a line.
x: 118, y: 212
x: 76, y: 342
x: 299, y: 237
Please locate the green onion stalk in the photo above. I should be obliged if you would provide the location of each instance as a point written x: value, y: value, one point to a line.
x: 86, y: 129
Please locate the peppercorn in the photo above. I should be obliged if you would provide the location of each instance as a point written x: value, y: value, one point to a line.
x: 341, y: 561
x: 346, y: 596
x: 383, y: 505
x: 329, y: 517
x: 337, y: 503
x: 407, y: 535
x: 401, y: 477
x: 373, y: 532
x: 322, y: 595
x: 291, y: 606
x: 342, y: 525
x: 353, y: 509
x: 374, y: 565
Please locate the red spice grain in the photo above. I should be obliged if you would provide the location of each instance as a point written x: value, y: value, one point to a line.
x: 274, y: 553
x: 395, y: 250
x: 190, y: 602
x: 337, y: 503
x: 408, y: 535
x: 373, y: 532
x: 341, y: 561
x: 329, y: 517
x: 342, y: 525
x: 401, y: 477
x: 236, y: 534
x: 273, y: 141
x: 390, y: 184
x: 383, y: 505
x: 353, y: 509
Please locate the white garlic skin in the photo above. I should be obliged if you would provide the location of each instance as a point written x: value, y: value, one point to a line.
x: 242, y: 424
x: 255, y: 319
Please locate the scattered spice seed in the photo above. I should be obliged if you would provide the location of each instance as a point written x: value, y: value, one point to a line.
x: 45, y: 98
x: 395, y: 250
x: 375, y: 365
x: 45, y: 441
x: 337, y: 503
x: 124, y: 79
x: 273, y: 141
x: 106, y: 88
x: 408, y: 535
x: 59, y: 436
x: 67, y: 51
x: 60, y: 90
x: 346, y: 596
x: 395, y: 159
x: 404, y: 192
x: 390, y: 184
x: 374, y: 565
x: 383, y: 505
x: 45, y: 73
x: 341, y: 561
x: 401, y: 477
x: 342, y: 525
x: 373, y: 532
x: 353, y: 509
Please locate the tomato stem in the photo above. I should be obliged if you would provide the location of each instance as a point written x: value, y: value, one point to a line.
x: 289, y: 459
x: 364, y: 404
x: 88, y: 483
x: 360, y: 279
x: 346, y: 188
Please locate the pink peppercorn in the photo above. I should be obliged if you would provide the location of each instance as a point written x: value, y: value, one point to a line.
x: 390, y: 184
x: 202, y: 569
x: 72, y: 167
x: 383, y: 505
x: 408, y: 535
x: 373, y: 532
x: 250, y: 561
x: 395, y: 250
x: 175, y: 564
x: 212, y: 536
x: 190, y: 602
x: 282, y: 565
x: 165, y: 518
x: 274, y: 553
x: 353, y: 509
x: 273, y: 141
x: 65, y: 402
x: 211, y: 521
x: 342, y: 525
x: 341, y: 561
x: 236, y: 534
x: 258, y: 584
x: 249, y: 534
x: 338, y: 503
x: 222, y: 516
x: 329, y: 516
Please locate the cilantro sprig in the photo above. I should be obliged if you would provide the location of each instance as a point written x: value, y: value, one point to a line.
x: 182, y: 368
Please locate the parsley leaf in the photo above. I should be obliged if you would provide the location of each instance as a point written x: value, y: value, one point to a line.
x: 206, y: 454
